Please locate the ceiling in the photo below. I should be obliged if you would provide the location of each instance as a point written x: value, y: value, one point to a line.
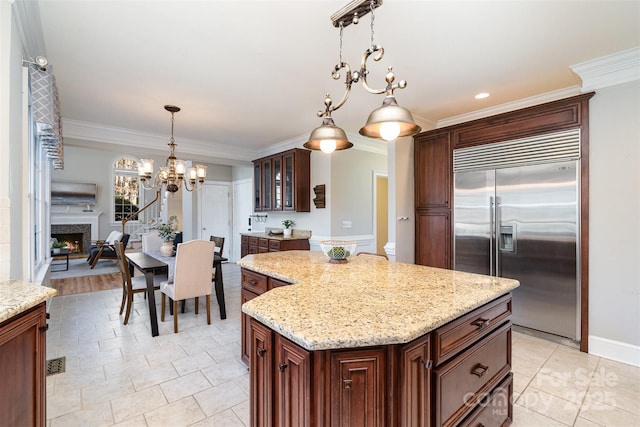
x: 251, y: 75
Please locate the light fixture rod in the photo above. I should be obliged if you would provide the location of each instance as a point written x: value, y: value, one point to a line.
x: 357, y: 7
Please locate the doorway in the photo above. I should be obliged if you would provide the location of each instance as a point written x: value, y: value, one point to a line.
x: 242, y: 208
x: 215, y: 216
x: 381, y: 210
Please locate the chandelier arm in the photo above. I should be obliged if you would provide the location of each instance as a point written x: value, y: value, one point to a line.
x: 379, y: 51
x: 350, y: 78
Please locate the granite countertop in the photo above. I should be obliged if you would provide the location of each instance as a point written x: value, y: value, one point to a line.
x: 367, y: 301
x: 17, y: 296
x: 295, y: 235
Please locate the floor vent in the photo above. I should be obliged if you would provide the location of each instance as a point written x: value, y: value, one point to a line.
x: 56, y: 366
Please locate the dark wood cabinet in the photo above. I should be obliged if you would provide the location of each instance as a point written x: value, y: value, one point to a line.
x: 22, y: 368
x: 434, y: 246
x: 283, y: 182
x: 261, y: 375
x: 256, y: 245
x: 415, y: 383
x: 292, y: 385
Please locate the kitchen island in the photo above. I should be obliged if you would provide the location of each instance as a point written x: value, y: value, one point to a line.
x: 22, y: 352
x: 373, y: 342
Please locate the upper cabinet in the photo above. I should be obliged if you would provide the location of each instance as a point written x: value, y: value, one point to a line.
x: 282, y: 182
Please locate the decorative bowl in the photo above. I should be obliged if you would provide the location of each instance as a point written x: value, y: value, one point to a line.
x: 338, y: 251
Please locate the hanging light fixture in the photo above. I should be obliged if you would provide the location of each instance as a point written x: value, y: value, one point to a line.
x: 172, y: 174
x: 387, y: 122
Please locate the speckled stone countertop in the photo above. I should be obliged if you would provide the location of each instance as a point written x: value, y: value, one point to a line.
x: 17, y: 296
x: 367, y: 301
x: 295, y: 235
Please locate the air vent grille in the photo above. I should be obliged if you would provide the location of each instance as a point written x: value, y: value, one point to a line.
x: 539, y: 149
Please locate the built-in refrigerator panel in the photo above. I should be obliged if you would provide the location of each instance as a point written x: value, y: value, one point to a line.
x: 536, y: 243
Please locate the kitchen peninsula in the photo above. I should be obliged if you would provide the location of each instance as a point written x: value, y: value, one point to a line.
x: 373, y: 342
x: 22, y: 352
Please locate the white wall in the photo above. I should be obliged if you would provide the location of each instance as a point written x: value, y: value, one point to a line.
x: 614, y: 209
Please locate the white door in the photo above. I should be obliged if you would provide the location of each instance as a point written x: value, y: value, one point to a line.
x: 215, y: 213
x: 242, y: 208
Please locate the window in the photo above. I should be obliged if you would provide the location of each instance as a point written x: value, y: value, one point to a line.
x: 126, y: 188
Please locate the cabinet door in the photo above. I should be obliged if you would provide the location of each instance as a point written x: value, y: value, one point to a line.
x: 358, y: 388
x: 22, y: 364
x: 257, y: 186
x: 245, y: 296
x: 433, y: 247
x: 261, y: 375
x: 267, y: 185
x: 433, y: 159
x: 415, y: 383
x: 277, y: 183
x: 293, y: 385
x: 289, y: 181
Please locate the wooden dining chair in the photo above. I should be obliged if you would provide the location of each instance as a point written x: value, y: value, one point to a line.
x: 191, y: 277
x: 132, y: 285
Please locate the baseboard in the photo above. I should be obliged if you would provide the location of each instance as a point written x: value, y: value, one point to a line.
x: 614, y: 350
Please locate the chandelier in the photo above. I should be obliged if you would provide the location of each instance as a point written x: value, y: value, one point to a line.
x: 172, y: 174
x: 388, y: 122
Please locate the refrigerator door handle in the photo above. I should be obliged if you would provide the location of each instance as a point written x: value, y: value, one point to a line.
x: 492, y: 232
x: 496, y: 229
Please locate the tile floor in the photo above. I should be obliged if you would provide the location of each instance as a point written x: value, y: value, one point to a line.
x: 120, y: 375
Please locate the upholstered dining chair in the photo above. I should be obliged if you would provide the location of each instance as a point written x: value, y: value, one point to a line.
x: 107, y: 250
x: 132, y: 285
x: 191, y: 277
x: 151, y: 242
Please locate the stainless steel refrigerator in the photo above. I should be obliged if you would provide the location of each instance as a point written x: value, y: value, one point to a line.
x: 516, y: 215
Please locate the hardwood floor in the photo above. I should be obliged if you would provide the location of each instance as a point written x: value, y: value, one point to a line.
x: 79, y: 285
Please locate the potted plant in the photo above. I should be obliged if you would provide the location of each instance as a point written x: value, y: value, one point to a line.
x: 56, y: 246
x: 167, y: 233
x: 287, y: 223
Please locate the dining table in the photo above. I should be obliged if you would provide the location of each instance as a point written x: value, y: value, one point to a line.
x: 151, y: 262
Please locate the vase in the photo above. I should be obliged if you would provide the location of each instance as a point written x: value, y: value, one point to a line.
x: 167, y: 248
x: 287, y: 232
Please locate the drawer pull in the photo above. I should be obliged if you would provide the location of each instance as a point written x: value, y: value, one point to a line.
x: 427, y: 364
x: 282, y: 367
x: 346, y: 384
x: 253, y: 282
x: 261, y: 351
x: 44, y: 328
x: 479, y: 370
x: 481, y: 323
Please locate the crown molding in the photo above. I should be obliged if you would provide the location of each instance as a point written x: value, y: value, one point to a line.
x: 118, y: 137
x: 29, y: 27
x: 610, y: 70
x: 511, y: 106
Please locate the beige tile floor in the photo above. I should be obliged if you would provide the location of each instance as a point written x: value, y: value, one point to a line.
x: 120, y: 375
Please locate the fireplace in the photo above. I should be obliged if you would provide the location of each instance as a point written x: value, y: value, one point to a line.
x: 77, y: 236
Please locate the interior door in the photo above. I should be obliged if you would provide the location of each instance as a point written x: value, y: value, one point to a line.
x: 241, y: 211
x: 474, y: 197
x: 215, y: 209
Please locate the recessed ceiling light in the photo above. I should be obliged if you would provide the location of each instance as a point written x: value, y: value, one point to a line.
x: 482, y: 95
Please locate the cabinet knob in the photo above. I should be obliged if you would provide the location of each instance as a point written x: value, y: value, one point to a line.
x: 346, y: 384
x: 481, y: 323
x: 44, y: 328
x: 427, y: 364
x: 261, y: 351
x: 479, y: 370
x: 282, y: 367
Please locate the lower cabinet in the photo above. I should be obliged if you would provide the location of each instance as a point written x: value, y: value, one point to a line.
x: 257, y: 245
x: 389, y: 386
x: 22, y: 368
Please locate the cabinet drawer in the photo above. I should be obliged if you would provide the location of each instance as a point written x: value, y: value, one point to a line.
x: 244, y: 239
x: 254, y: 282
x: 459, y: 334
x: 276, y: 283
x: 463, y: 381
x: 253, y: 241
x: 263, y: 243
x: 274, y: 245
x: 496, y: 409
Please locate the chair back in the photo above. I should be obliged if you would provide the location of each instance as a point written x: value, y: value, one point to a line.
x: 151, y: 242
x: 113, y: 236
x: 123, y: 264
x: 192, y: 273
x: 219, y: 241
x: 125, y: 240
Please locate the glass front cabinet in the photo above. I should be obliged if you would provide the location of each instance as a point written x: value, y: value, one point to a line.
x: 282, y: 182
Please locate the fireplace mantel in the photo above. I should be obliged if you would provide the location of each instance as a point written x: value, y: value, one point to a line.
x: 91, y: 218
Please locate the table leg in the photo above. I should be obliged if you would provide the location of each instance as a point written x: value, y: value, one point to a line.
x: 219, y: 286
x: 151, y: 301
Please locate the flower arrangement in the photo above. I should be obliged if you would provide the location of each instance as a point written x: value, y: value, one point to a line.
x: 168, y: 231
x: 287, y: 223
x: 57, y: 245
